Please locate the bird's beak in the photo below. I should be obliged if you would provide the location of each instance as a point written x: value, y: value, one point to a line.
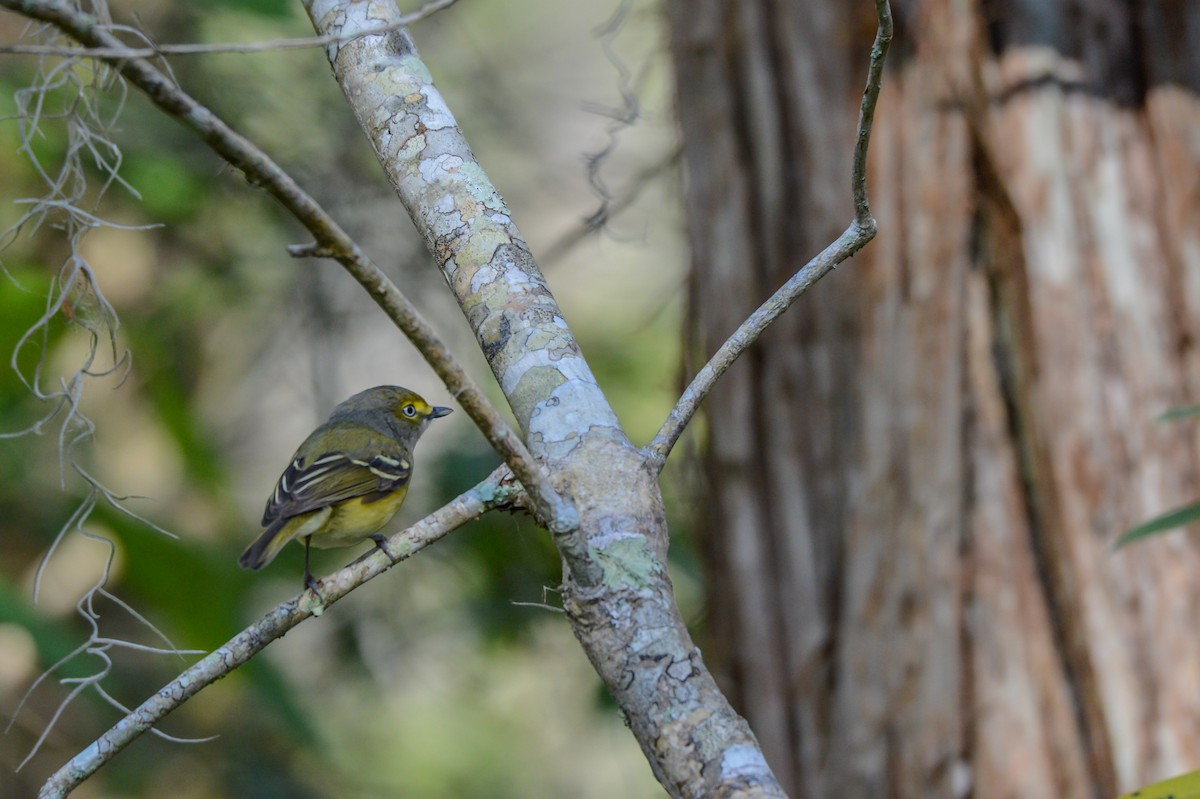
x: 439, y: 411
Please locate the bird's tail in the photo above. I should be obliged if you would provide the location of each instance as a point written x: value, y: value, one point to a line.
x: 267, y: 546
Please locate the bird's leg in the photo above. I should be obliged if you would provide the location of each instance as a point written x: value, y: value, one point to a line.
x: 309, y: 581
x: 381, y: 543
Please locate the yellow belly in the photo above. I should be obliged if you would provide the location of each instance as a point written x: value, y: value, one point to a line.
x: 353, y: 520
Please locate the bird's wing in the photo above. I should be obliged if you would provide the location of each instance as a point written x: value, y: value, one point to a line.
x: 333, y: 477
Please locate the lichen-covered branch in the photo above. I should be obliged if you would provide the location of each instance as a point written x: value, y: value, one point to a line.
x: 469, y: 232
x: 331, y: 240
x: 617, y: 595
x: 856, y: 236
x: 497, y: 490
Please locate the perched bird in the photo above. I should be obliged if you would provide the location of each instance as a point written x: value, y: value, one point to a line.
x: 348, y: 478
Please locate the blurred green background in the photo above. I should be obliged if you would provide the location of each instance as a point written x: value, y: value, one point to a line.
x: 446, y: 677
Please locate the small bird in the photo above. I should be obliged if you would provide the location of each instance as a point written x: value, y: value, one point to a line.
x: 348, y: 478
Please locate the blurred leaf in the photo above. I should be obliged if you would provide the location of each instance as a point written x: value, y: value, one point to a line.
x: 1185, y: 786
x: 266, y: 8
x: 170, y: 190
x: 1182, y: 412
x: 22, y: 296
x: 195, y: 443
x: 1168, y: 521
x: 23, y: 291
x: 160, y: 338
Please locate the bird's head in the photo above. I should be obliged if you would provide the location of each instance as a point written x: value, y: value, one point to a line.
x: 403, y: 407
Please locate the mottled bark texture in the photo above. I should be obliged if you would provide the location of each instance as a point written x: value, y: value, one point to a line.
x: 915, y: 481
x: 617, y: 594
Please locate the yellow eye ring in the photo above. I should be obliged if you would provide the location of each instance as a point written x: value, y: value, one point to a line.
x: 409, y: 410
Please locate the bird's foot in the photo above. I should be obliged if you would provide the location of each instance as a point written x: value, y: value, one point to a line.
x: 312, y: 584
x: 381, y: 543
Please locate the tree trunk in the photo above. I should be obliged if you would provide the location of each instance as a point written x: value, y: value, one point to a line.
x: 916, y: 478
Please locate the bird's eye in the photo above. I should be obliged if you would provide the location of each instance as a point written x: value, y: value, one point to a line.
x: 409, y: 410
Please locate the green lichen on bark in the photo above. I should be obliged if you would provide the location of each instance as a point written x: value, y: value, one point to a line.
x: 628, y: 563
x: 534, y: 385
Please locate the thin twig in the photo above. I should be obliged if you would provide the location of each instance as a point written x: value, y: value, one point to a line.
x: 330, y: 238
x: 496, y: 491
x: 153, y: 51
x: 855, y: 237
x: 622, y: 118
x: 866, y: 116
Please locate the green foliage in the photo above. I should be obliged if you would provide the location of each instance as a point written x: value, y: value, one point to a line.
x: 1160, y: 524
x: 265, y: 8
x: 1176, y: 518
x: 1182, y: 412
x: 24, y: 495
x: 171, y: 191
x: 1185, y: 786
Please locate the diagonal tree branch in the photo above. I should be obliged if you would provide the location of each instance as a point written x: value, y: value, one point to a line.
x: 856, y: 236
x: 331, y: 241
x: 617, y: 595
x: 498, y: 490
x: 468, y: 230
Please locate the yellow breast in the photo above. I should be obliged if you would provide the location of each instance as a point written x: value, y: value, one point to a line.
x: 354, y: 519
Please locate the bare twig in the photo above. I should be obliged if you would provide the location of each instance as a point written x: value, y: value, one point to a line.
x: 866, y: 117
x: 496, y: 491
x: 155, y: 50
x: 330, y: 238
x: 855, y: 237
